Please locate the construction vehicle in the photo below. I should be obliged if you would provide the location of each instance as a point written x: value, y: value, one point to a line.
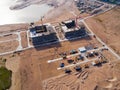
x: 63, y: 55
x: 96, y: 63
x: 68, y: 71
x: 86, y: 66
x: 62, y: 65
x: 73, y: 51
x: 80, y: 57
x: 70, y: 61
x: 78, y: 68
x: 96, y: 53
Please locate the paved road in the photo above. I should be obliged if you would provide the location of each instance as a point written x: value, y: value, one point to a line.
x: 19, y: 39
x: 28, y: 39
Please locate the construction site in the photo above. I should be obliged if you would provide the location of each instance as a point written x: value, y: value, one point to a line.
x: 42, y: 34
x: 78, y: 53
x: 92, y: 6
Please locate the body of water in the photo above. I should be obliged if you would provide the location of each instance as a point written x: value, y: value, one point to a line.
x: 29, y: 14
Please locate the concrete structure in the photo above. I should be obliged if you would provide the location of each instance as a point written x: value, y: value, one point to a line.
x: 43, y: 34
x: 82, y: 49
x: 71, y: 31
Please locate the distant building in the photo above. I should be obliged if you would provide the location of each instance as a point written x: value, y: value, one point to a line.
x: 43, y: 34
x: 70, y: 30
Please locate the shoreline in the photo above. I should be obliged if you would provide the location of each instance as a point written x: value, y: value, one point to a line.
x: 63, y: 14
x: 29, y: 14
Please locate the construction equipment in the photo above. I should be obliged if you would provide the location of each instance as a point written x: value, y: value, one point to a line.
x: 68, y: 71
x: 96, y: 63
x: 63, y: 55
x: 62, y: 65
x: 73, y: 51
x: 86, y: 66
x: 70, y: 60
x: 96, y: 53
x: 78, y: 68
x: 80, y: 57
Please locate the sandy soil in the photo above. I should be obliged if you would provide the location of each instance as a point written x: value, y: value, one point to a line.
x: 13, y: 64
x: 32, y: 68
x: 53, y: 17
x: 94, y: 77
x: 107, y: 27
x: 108, y: 55
x: 8, y: 37
x: 24, y: 39
x: 62, y: 13
x: 13, y: 27
x: 8, y: 46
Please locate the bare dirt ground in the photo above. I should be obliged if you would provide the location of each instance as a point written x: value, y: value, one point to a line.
x: 13, y: 27
x: 107, y: 27
x: 8, y: 46
x: 105, y: 77
x: 108, y: 55
x: 32, y: 67
x: 12, y: 63
x: 31, y: 70
x: 86, y: 80
x: 24, y: 39
x: 8, y: 37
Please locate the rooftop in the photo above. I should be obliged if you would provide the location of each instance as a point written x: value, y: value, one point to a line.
x: 82, y: 49
x: 40, y: 30
x: 69, y: 26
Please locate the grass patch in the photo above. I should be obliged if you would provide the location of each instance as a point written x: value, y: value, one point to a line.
x: 5, y: 78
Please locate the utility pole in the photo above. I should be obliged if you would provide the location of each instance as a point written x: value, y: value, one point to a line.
x: 42, y: 23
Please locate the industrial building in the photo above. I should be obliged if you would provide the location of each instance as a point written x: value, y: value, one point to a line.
x: 43, y: 34
x: 70, y: 29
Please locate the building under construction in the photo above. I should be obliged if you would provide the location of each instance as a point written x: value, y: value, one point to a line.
x: 43, y: 34
x: 70, y: 29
